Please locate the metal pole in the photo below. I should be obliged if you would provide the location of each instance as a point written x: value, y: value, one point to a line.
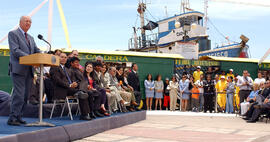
x: 216, y: 102
x: 41, y: 93
x: 40, y: 123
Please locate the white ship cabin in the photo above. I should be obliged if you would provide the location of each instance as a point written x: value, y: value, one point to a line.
x: 186, y: 26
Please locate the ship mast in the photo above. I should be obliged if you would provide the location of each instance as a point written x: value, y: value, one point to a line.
x: 205, y: 15
x: 141, y: 10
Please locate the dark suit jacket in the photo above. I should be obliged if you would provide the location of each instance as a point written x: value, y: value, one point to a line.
x: 19, y: 47
x: 60, y: 81
x: 133, y: 81
x: 77, y: 76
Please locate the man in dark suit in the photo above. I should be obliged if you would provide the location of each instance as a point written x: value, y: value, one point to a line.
x: 67, y: 83
x: 134, y: 82
x: 20, y: 44
x: 99, y: 81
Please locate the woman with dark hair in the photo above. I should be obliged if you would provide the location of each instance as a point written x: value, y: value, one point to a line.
x: 209, y: 93
x: 94, y: 100
x: 159, y: 86
x: 173, y: 86
x: 149, y: 85
x: 183, y: 87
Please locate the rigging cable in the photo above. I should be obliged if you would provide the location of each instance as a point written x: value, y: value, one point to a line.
x: 219, y: 31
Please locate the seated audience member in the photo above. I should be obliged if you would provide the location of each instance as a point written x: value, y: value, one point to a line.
x: 99, y: 59
x: 94, y: 94
x: 253, y: 94
x: 250, y: 99
x: 120, y: 75
x: 4, y: 97
x: 111, y: 97
x: 173, y: 85
x: 134, y: 82
x: 195, y: 97
x: 57, y: 52
x: 230, y: 89
x: 149, y: 86
x: 99, y: 80
x: 159, y: 86
x: 259, y: 109
x: 67, y: 84
x: 260, y: 79
x: 115, y: 87
x: 74, y: 53
x: 259, y: 100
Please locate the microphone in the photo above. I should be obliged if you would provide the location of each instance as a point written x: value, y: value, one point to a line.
x: 41, y: 38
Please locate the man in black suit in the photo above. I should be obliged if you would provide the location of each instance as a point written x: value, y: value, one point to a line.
x: 67, y: 84
x: 99, y: 81
x: 134, y: 82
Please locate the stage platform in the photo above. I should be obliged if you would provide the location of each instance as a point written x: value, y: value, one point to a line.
x: 66, y: 130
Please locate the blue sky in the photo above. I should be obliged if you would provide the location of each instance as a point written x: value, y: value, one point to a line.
x: 107, y: 24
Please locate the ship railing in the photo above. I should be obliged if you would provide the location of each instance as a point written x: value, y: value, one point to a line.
x: 137, y: 43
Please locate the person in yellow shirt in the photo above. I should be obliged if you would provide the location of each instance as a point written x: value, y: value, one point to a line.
x: 221, y: 92
x: 197, y: 74
x: 230, y: 74
x: 222, y: 74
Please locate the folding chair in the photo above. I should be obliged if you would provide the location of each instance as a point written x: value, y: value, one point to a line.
x: 69, y: 101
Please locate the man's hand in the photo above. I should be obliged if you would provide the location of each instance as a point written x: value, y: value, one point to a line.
x: 74, y: 85
x: 266, y: 101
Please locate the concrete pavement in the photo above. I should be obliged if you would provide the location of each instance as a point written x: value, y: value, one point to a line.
x: 187, y: 127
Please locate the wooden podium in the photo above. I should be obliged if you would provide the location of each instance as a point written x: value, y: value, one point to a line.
x: 41, y: 60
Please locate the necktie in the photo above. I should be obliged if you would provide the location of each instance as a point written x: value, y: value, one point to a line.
x: 25, y: 34
x: 69, y: 80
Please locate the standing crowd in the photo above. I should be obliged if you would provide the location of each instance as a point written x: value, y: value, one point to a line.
x: 210, y: 91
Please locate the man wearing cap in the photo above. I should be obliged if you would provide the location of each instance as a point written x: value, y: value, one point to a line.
x: 230, y: 74
x: 221, y: 92
x: 197, y: 74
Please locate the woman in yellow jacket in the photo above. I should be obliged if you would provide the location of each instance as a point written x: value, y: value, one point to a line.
x: 221, y: 92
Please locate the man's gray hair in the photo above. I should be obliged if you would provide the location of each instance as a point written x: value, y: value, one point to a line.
x: 99, y: 57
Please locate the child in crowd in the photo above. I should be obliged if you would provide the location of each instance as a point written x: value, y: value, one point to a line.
x: 230, y: 89
x: 166, y: 94
x: 195, y: 97
x: 159, y: 86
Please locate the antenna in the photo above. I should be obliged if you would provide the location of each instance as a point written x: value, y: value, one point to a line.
x: 184, y: 6
x: 166, y: 11
x: 205, y: 15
